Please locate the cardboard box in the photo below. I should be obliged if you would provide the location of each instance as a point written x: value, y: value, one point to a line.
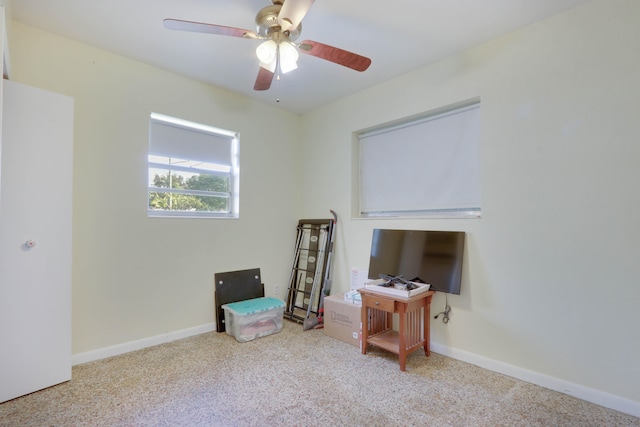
x: 342, y: 319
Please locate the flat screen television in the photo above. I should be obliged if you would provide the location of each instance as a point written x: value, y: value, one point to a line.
x: 433, y: 257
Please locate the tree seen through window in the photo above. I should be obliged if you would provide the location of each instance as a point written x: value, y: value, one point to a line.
x: 184, y: 201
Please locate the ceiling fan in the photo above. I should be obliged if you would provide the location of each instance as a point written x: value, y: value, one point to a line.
x: 279, y: 25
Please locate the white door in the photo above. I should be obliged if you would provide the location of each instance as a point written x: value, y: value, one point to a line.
x: 35, y: 206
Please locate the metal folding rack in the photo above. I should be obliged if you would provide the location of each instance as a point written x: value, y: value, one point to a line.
x: 309, y: 271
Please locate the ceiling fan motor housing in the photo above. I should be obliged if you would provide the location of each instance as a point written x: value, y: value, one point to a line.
x: 267, y: 23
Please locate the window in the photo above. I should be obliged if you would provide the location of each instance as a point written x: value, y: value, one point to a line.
x: 422, y: 167
x: 193, y: 169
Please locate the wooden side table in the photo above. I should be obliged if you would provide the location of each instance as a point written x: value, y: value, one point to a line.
x: 413, y: 330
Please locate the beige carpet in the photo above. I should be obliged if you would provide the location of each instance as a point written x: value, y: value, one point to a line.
x: 294, y: 378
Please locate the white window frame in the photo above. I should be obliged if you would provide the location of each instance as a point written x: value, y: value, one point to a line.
x: 225, y: 165
x: 425, y: 166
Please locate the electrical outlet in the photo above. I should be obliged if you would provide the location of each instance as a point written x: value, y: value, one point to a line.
x: 277, y: 289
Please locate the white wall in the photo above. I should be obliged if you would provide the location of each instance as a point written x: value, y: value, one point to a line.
x: 551, y: 281
x: 136, y: 277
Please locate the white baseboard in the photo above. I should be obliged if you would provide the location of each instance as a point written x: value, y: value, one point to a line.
x: 116, y: 350
x: 598, y: 397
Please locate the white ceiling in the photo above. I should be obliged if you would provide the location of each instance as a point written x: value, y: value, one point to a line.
x: 399, y: 36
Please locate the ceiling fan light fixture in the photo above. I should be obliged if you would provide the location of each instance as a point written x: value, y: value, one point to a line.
x: 267, y: 54
x: 288, y: 57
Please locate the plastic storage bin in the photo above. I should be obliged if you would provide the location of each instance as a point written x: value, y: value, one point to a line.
x: 253, y: 318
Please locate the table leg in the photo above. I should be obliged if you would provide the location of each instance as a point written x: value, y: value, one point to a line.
x: 402, y: 346
x: 403, y: 359
x: 427, y: 326
x: 364, y: 318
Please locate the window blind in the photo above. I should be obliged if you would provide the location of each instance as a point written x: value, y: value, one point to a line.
x: 425, y: 166
x: 181, y: 142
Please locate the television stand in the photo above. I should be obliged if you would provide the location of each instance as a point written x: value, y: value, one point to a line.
x: 377, y: 326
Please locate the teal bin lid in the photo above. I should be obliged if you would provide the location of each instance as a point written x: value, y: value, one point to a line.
x: 255, y: 305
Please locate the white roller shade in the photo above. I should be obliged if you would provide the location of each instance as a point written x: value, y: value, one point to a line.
x: 425, y: 166
x: 182, y: 142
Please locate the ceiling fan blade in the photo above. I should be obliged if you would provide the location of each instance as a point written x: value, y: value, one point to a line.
x: 264, y: 79
x: 292, y: 13
x: 334, y: 54
x: 201, y: 27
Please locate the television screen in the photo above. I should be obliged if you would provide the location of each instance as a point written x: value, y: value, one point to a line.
x: 433, y: 257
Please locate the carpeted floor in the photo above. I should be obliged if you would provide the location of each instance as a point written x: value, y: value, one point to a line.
x: 294, y: 378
